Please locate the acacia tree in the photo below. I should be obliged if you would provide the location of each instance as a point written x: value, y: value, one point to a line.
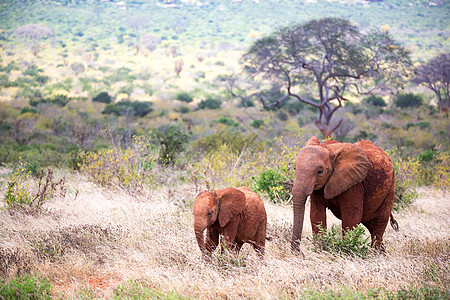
x: 330, y: 55
x: 435, y: 75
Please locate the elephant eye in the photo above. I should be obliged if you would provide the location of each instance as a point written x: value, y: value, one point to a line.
x: 320, y: 171
x: 210, y: 213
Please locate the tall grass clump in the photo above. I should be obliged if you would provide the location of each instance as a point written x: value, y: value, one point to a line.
x: 407, y: 179
x: 353, y: 243
x: 130, y: 168
x: 435, y: 167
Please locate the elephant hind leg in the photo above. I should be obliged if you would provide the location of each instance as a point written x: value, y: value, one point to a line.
x: 259, y: 242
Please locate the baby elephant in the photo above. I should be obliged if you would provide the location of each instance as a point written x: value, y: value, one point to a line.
x: 238, y: 214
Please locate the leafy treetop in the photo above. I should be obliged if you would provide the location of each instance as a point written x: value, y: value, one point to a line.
x: 332, y: 56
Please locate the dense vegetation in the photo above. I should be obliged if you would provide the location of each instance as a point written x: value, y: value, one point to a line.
x: 143, y: 99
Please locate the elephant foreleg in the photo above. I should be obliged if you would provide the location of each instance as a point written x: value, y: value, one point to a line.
x: 351, y: 204
x: 318, y: 215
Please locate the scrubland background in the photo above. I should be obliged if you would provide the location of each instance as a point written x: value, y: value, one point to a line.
x: 113, y: 116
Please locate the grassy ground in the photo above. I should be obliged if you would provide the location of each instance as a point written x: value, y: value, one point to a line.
x: 95, y: 240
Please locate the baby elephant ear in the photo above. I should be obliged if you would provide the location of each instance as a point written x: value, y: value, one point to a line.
x: 350, y: 167
x: 231, y: 202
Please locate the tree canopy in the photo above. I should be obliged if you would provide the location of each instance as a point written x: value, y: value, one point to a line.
x: 329, y: 55
x: 435, y: 75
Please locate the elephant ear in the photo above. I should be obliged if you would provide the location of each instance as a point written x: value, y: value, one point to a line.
x: 350, y: 167
x: 231, y: 202
x: 313, y: 141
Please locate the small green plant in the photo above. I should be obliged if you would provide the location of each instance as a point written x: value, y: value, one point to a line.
x: 26, y: 287
x: 353, y: 243
x: 274, y: 185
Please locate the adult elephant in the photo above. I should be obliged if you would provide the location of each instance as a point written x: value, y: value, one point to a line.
x: 355, y: 181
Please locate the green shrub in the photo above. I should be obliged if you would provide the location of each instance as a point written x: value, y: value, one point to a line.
x: 257, y: 123
x: 172, y: 141
x: 184, y: 97
x: 407, y: 100
x: 374, y: 101
x: 123, y: 108
x: 421, y: 125
x: 103, y: 97
x: 353, y: 243
x: 427, y: 155
x: 274, y: 185
x: 60, y: 100
x: 26, y: 287
x: 184, y: 109
x: 210, y: 103
x: 28, y: 110
x: 227, y: 121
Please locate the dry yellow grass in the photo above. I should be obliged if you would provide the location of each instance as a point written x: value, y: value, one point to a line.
x: 97, y: 239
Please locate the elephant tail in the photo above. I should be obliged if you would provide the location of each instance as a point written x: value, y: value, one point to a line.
x: 394, y: 223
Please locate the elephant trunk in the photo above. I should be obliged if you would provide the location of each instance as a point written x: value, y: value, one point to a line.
x: 200, y: 237
x: 299, y: 200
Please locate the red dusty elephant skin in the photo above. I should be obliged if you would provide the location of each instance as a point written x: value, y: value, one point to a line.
x: 238, y: 214
x: 355, y: 181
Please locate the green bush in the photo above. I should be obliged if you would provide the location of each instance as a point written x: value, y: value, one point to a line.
x: 103, y: 97
x: 227, y: 121
x: 374, y: 101
x: 407, y: 100
x: 184, y: 97
x: 172, y: 141
x: 274, y: 185
x: 421, y: 125
x: 210, y: 103
x: 353, y: 243
x: 257, y: 123
x: 26, y: 287
x: 123, y: 108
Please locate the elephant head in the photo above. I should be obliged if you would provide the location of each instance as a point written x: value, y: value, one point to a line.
x: 331, y: 166
x: 210, y: 206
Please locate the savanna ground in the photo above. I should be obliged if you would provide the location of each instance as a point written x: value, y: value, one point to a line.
x: 97, y: 242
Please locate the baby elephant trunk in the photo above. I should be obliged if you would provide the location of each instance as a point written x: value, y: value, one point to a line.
x: 200, y: 237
